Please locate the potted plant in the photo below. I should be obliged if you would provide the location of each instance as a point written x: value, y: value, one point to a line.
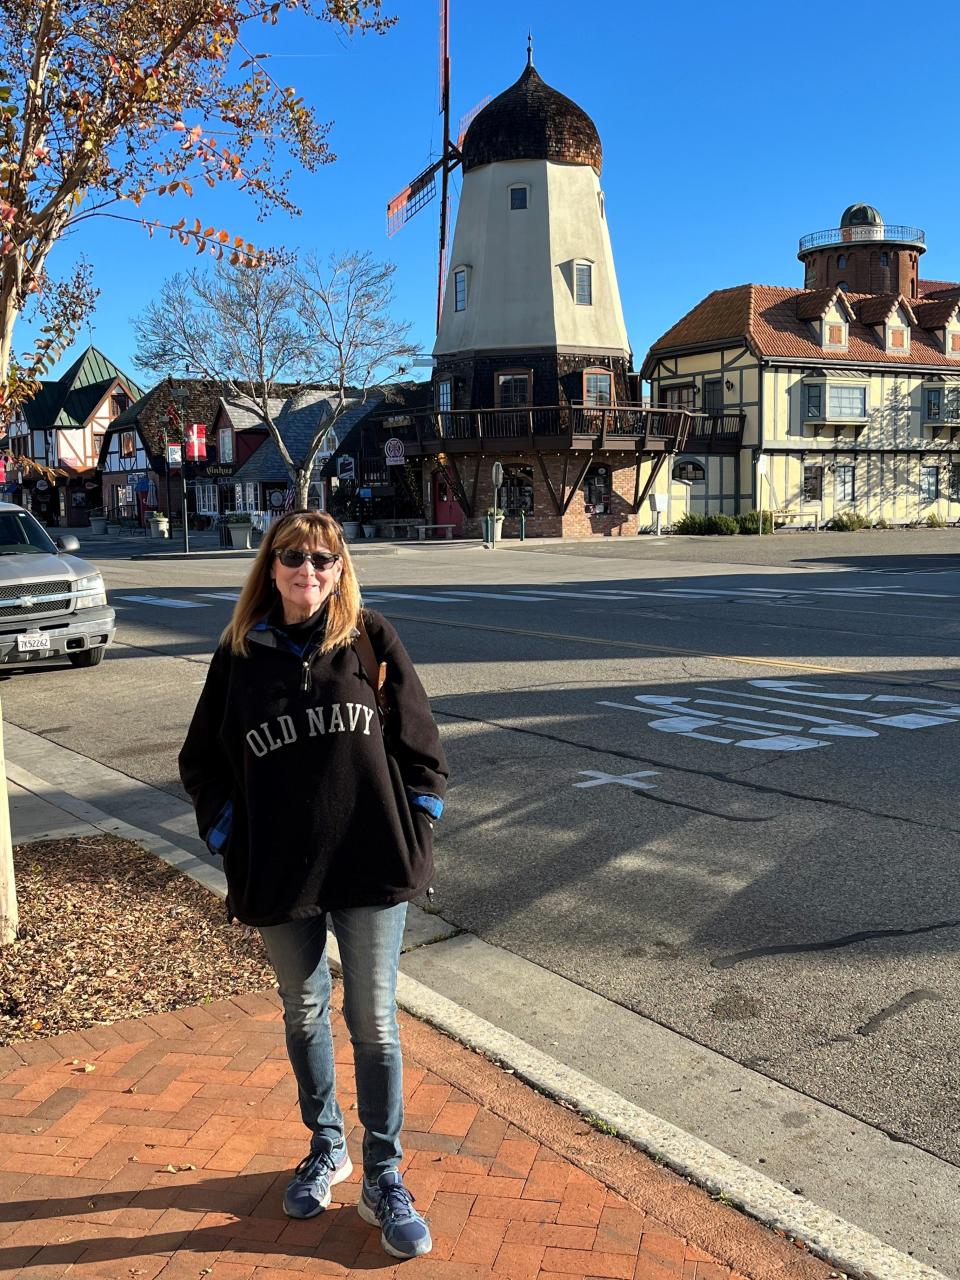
x: 159, y: 524
x: 240, y: 528
x: 496, y: 514
x: 98, y: 521
x: 345, y: 506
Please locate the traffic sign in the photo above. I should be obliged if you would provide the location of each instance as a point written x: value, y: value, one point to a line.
x: 497, y: 475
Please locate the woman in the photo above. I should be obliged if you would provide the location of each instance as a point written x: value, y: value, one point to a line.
x: 318, y: 812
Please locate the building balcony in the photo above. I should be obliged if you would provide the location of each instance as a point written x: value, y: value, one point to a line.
x: 580, y: 428
x: 891, y: 233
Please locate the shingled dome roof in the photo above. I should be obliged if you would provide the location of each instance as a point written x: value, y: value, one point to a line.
x: 531, y: 121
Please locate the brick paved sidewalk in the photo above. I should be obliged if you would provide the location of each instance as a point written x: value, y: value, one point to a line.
x: 169, y: 1158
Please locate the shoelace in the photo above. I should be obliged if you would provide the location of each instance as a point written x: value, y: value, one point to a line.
x: 395, y: 1202
x: 311, y: 1164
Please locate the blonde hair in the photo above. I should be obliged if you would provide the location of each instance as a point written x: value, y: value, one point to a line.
x: 300, y: 529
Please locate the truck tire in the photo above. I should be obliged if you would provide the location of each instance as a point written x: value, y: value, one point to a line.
x: 87, y: 657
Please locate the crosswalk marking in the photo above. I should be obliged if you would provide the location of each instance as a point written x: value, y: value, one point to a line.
x: 219, y: 595
x: 164, y: 602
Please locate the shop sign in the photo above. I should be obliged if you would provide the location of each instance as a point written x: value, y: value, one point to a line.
x: 90, y: 485
x: 42, y: 484
x: 220, y: 469
x: 345, y: 467
x: 364, y: 493
x: 393, y: 452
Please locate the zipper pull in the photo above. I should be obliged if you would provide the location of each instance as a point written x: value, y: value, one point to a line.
x: 305, y: 682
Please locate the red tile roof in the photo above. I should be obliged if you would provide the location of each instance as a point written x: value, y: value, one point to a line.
x: 766, y: 317
x: 928, y: 288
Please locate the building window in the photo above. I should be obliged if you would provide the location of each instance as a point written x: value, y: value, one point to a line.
x: 813, y: 400
x: 884, y: 259
x: 836, y: 335
x: 583, y: 284
x: 517, y: 492
x: 597, y: 490
x: 951, y: 404
x: 845, y: 489
x: 514, y: 388
x: 250, y: 496
x: 97, y: 442
x: 119, y: 401
x: 128, y: 444
x: 597, y: 388
x: 898, y: 339
x: 602, y: 203
x: 932, y: 404
x: 813, y: 483
x: 844, y: 286
x: 206, y: 495
x: 955, y: 481
x: 841, y: 262
x: 460, y: 289
x: 678, y: 397
x: 929, y: 484
x: 690, y: 471
x: 847, y: 402
x: 518, y: 197
x: 445, y: 395
x: 225, y: 445
x: 713, y: 396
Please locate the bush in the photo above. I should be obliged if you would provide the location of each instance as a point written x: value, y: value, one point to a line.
x: 935, y: 521
x: 690, y: 523
x: 749, y: 522
x: 723, y: 525
x: 847, y: 522
x: 881, y: 523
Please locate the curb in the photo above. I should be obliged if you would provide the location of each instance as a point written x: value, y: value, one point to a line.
x: 825, y: 1234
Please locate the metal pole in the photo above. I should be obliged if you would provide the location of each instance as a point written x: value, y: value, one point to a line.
x: 493, y: 518
x: 183, y: 478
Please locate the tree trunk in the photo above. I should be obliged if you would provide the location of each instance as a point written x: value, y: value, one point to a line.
x: 301, y: 489
x: 9, y: 914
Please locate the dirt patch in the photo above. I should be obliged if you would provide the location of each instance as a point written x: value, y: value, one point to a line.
x: 107, y: 931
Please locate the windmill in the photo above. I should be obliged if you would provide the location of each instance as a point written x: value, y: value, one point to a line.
x: 418, y: 193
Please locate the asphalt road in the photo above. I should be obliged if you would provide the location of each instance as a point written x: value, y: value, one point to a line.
x: 719, y: 792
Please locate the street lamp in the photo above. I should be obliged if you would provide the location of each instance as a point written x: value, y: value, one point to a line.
x: 181, y: 395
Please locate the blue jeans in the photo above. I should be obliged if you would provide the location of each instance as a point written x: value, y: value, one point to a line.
x: 369, y: 939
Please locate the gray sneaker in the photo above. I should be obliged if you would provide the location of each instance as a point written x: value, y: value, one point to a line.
x: 309, y: 1191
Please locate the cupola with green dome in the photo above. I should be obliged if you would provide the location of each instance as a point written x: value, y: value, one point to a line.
x: 863, y: 255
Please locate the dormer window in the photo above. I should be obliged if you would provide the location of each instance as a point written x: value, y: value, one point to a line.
x: 898, y: 339
x: 583, y: 284
x: 225, y: 445
x: 834, y: 334
x: 460, y: 289
x: 519, y: 196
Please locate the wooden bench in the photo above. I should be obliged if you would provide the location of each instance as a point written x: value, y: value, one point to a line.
x: 447, y: 530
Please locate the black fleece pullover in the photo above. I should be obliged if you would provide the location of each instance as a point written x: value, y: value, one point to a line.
x: 322, y: 817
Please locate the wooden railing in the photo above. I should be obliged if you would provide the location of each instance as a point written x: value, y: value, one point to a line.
x: 569, y: 426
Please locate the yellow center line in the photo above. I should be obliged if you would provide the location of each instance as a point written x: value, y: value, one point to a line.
x: 635, y: 644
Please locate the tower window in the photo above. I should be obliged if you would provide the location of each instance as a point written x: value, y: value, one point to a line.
x: 460, y: 289
x: 513, y: 388
x: 518, y: 197
x: 884, y: 259
x: 583, y: 284
x: 602, y: 204
x: 841, y: 262
x: 445, y: 395
x: 844, y: 286
x: 597, y: 388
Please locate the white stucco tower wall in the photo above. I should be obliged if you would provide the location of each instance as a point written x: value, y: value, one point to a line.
x: 519, y: 263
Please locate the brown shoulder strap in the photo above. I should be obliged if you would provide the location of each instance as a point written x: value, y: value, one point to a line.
x: 375, y: 672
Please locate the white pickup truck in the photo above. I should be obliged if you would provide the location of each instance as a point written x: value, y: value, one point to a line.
x: 53, y: 605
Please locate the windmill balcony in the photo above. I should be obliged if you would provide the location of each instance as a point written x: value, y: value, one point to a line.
x: 581, y: 428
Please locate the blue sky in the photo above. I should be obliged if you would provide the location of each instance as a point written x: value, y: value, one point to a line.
x: 728, y: 132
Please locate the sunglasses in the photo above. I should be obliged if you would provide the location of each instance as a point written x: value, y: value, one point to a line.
x: 290, y: 558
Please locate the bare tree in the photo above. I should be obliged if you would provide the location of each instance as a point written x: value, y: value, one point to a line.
x: 275, y: 330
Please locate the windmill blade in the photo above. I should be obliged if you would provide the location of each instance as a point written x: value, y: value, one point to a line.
x: 444, y: 77
x: 412, y: 198
x: 467, y: 120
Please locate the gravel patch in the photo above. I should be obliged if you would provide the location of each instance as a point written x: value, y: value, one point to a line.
x: 107, y: 932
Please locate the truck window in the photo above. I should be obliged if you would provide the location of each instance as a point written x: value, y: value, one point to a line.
x: 20, y: 534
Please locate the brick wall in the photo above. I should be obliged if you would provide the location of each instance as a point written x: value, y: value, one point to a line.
x: 546, y: 522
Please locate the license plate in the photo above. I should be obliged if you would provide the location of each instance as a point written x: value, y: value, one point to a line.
x: 29, y: 644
